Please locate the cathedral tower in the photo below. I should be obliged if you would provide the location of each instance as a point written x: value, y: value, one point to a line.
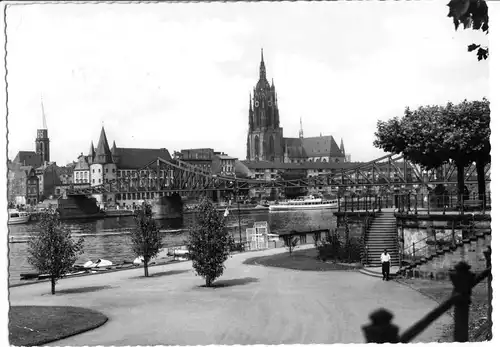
x: 265, y: 137
x: 42, y: 142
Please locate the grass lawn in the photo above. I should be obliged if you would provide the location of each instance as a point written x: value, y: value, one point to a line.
x: 299, y: 260
x: 38, y: 325
x: 441, y: 290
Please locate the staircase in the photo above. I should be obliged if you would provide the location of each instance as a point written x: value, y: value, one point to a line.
x: 382, y: 234
x: 438, y: 264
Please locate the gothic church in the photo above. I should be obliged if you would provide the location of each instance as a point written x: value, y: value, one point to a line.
x: 265, y: 141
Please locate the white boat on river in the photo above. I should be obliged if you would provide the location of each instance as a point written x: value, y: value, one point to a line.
x: 307, y: 203
x: 18, y: 217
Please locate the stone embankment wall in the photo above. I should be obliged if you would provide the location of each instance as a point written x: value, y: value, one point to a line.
x: 357, y: 221
x: 470, y: 241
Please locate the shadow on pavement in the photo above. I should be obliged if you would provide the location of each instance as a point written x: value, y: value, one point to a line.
x: 232, y: 283
x: 161, y: 274
x: 79, y: 290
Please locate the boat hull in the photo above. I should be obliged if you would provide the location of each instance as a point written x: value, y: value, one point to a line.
x: 18, y: 220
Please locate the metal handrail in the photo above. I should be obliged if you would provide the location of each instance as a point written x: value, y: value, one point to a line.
x: 423, y: 323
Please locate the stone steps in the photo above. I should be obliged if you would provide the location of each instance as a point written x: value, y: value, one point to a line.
x: 466, y: 248
x: 381, y: 235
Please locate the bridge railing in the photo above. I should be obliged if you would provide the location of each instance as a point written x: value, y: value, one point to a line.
x: 382, y: 330
x: 416, y: 203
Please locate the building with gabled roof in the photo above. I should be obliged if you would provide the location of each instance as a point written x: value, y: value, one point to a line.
x: 28, y: 158
x: 104, y: 164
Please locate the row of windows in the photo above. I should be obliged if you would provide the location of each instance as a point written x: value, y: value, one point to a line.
x: 133, y: 173
x: 136, y: 196
x: 107, y: 170
x: 81, y: 174
x: 82, y: 180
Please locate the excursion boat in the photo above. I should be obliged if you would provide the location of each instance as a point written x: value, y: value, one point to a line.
x: 18, y: 217
x: 308, y: 203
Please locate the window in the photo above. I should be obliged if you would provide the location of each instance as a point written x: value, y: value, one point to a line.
x: 106, y: 170
x: 114, y: 170
x: 93, y: 180
x: 99, y: 180
x: 107, y: 180
x: 99, y: 170
x: 93, y: 170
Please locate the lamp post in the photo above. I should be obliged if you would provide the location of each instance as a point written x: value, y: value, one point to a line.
x: 238, y: 203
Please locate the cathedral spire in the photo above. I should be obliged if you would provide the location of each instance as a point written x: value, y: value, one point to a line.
x: 262, y: 65
x: 342, y: 146
x: 44, y: 119
x: 301, y: 131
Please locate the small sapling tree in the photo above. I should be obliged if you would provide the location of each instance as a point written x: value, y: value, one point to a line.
x: 52, y: 250
x: 146, y: 237
x: 209, y: 243
x: 290, y: 242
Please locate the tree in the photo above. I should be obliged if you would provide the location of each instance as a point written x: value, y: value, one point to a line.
x: 290, y: 241
x: 146, y: 237
x: 433, y: 135
x: 471, y: 13
x: 52, y: 250
x: 209, y: 243
x: 468, y: 138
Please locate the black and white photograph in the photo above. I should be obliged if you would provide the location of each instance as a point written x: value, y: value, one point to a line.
x: 248, y: 172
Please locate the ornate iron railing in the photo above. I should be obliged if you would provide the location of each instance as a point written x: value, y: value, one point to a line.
x: 382, y: 330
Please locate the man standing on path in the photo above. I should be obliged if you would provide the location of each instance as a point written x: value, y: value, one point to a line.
x: 385, y: 258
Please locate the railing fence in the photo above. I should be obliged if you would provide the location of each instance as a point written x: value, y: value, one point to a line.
x: 382, y: 330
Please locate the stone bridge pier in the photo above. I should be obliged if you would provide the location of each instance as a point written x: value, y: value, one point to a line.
x: 167, y: 207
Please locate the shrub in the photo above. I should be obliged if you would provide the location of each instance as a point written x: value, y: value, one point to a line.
x: 332, y: 248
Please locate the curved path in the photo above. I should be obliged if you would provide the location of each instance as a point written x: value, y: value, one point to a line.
x: 254, y: 305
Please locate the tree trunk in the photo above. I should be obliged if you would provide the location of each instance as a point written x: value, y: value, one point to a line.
x: 208, y: 282
x: 481, y: 181
x: 461, y: 182
x: 53, y: 285
x: 146, y: 272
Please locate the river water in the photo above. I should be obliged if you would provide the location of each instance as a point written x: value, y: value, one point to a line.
x: 108, y: 238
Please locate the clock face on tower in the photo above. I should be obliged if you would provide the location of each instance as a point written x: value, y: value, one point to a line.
x: 256, y: 104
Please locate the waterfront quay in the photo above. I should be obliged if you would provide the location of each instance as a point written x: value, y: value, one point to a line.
x: 107, y: 238
x: 285, y: 307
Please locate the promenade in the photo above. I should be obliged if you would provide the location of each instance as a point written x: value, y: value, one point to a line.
x: 252, y: 305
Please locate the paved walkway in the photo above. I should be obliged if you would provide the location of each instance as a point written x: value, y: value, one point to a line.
x: 257, y: 305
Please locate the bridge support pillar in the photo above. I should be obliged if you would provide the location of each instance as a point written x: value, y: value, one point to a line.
x: 168, y: 207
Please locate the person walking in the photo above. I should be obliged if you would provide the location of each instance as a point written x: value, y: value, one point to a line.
x: 385, y: 258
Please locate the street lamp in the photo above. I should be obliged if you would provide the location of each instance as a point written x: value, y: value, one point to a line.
x: 235, y: 190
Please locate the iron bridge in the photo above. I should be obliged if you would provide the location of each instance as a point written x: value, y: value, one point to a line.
x: 175, y: 176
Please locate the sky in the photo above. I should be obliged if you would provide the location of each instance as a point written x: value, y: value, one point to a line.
x: 178, y: 76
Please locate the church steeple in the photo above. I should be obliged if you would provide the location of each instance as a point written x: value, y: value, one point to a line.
x: 262, y: 65
x: 265, y: 137
x: 301, y: 131
x: 103, y: 153
x: 342, y: 146
x: 42, y: 142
